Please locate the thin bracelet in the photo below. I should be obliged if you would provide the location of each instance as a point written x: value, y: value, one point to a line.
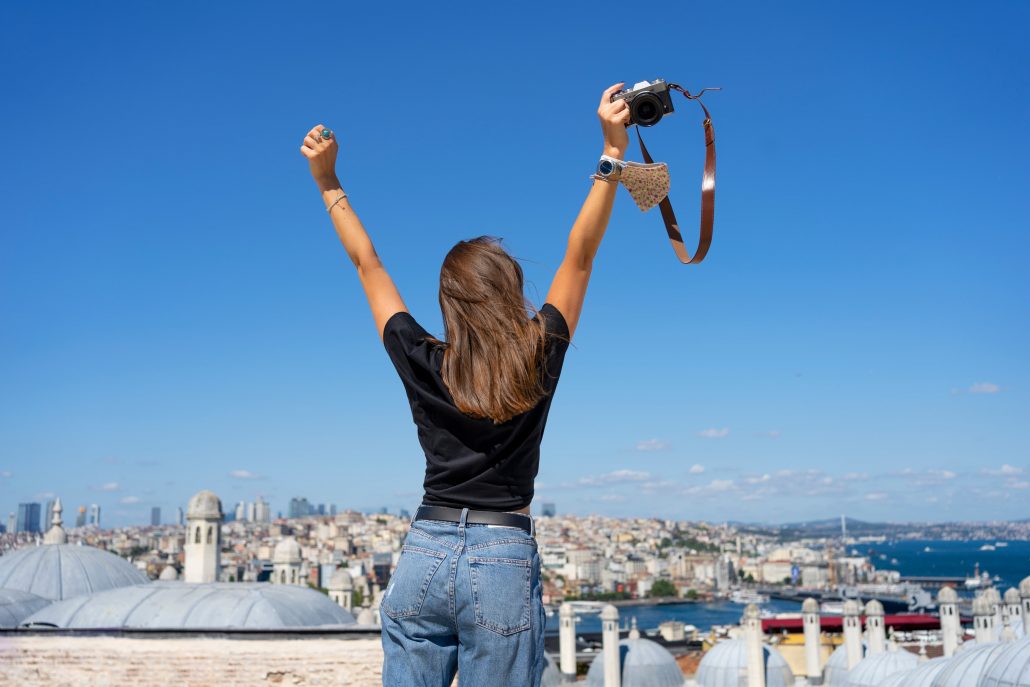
x: 338, y: 199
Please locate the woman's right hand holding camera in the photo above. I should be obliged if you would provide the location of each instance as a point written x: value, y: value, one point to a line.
x: 614, y: 119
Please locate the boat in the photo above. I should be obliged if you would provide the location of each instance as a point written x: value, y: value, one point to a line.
x: 831, y: 608
x: 748, y: 596
x: 1001, y: 543
x: 927, y: 549
x: 987, y: 547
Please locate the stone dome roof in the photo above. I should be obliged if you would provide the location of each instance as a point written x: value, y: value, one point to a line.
x: 835, y: 672
x: 947, y: 595
x: 169, y: 574
x: 874, y: 607
x: 965, y: 669
x: 1011, y: 597
x: 366, y: 617
x: 918, y: 677
x: 16, y: 605
x: 181, y: 606
x: 205, y: 505
x: 992, y: 595
x: 723, y: 664
x: 64, y: 571
x: 810, y: 605
x: 341, y: 581
x: 852, y: 607
x: 1010, y: 667
x: 1024, y: 586
x: 982, y: 606
x: 287, y: 551
x: 643, y: 662
x: 872, y: 670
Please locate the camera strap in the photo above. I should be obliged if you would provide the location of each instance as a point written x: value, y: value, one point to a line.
x: 707, y: 190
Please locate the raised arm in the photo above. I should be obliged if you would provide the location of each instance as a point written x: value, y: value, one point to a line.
x: 382, y: 295
x: 569, y: 287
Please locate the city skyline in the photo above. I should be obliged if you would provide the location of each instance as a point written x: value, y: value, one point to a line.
x: 180, y: 315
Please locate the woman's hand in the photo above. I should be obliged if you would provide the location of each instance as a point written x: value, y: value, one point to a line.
x: 614, y: 119
x: 321, y: 155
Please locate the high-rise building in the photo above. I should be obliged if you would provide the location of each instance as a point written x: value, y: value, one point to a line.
x: 299, y: 507
x: 80, y: 519
x: 12, y: 523
x: 155, y: 516
x: 404, y: 514
x: 94, y: 515
x: 332, y: 509
x: 262, y: 512
x: 241, y: 511
x: 251, y: 512
x: 321, y: 509
x: 547, y: 509
x: 178, y: 516
x: 28, y: 518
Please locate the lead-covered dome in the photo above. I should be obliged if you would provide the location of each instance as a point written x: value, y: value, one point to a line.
x: 947, y: 595
x: 873, y: 670
x: 205, y: 505
x: 287, y: 551
x: 341, y: 581
x: 918, y: 677
x: 965, y: 669
x: 725, y: 662
x: 1010, y: 667
x: 181, y: 606
x: 16, y: 605
x: 643, y: 663
x: 65, y: 571
x: 1011, y: 596
x: 1024, y: 586
x: 835, y: 672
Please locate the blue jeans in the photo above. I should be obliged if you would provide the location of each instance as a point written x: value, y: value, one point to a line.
x: 464, y: 597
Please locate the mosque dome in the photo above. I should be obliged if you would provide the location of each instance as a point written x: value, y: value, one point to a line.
x: 965, y: 669
x: 992, y: 595
x: 947, y: 595
x: 169, y: 574
x: 1011, y: 596
x: 1010, y: 667
x: 874, y: 607
x: 287, y: 551
x: 64, y: 571
x: 835, y: 672
x: 366, y: 617
x: 552, y: 676
x: 1024, y: 586
x: 873, y: 670
x: 918, y: 677
x: 341, y: 581
x: 644, y: 663
x: 205, y: 505
x: 810, y: 605
x: 182, y: 606
x: 982, y: 605
x: 16, y: 605
x: 725, y: 662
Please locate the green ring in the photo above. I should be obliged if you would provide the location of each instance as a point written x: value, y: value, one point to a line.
x: 326, y: 134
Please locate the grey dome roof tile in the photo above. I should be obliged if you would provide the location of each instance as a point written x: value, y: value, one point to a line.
x: 644, y: 663
x: 721, y: 666
x: 16, y: 605
x: 205, y: 504
x: 65, y: 571
x: 873, y: 670
x: 178, y: 605
x: 1010, y: 667
x: 965, y: 669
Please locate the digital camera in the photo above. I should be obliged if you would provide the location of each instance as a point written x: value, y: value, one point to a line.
x: 648, y: 101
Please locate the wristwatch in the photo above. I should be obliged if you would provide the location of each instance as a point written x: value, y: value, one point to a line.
x: 609, y: 168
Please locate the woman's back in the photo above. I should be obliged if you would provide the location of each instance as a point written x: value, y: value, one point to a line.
x: 473, y: 462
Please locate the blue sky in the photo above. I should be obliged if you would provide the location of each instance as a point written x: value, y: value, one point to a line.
x: 176, y: 313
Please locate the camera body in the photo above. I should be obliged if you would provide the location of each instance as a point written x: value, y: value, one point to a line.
x: 648, y: 101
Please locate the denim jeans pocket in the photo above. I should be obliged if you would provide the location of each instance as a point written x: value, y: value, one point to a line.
x: 501, y: 593
x: 410, y: 581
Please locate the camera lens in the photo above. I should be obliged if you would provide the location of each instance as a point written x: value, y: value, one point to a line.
x: 646, y: 109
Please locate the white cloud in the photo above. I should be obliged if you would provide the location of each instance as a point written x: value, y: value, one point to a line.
x: 759, y: 479
x: 1017, y: 484
x: 129, y: 500
x: 110, y: 486
x: 984, y: 388
x: 714, y: 433
x: 615, y: 476
x: 1005, y: 470
x: 652, y: 445
x: 697, y: 469
x: 855, y: 476
x: 613, y: 498
x: 771, y: 434
x: 876, y: 496
x: 6, y: 474
x: 243, y: 474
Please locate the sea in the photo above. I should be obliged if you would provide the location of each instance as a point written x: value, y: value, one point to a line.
x: 1010, y: 563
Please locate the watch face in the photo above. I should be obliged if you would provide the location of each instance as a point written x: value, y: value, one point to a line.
x: 605, y: 167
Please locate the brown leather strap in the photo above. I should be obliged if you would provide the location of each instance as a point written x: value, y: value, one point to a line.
x: 707, y: 191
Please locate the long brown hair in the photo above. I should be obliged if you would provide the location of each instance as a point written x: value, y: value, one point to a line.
x: 494, y: 352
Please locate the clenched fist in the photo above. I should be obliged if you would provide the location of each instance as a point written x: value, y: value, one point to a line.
x: 321, y: 155
x: 614, y: 119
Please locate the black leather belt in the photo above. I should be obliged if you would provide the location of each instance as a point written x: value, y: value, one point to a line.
x: 474, y: 517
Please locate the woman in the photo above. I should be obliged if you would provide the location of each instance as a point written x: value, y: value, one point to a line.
x: 466, y: 594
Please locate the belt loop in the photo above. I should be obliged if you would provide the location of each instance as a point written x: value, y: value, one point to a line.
x: 464, y: 515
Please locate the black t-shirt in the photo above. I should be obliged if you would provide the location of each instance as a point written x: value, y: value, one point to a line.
x: 472, y: 462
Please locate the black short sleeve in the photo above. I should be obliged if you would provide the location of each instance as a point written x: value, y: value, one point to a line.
x: 556, y: 331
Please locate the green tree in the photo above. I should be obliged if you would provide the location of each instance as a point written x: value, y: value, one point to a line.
x: 692, y: 594
x: 663, y: 588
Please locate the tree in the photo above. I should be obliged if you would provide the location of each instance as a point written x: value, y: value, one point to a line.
x: 663, y: 588
x: 692, y: 594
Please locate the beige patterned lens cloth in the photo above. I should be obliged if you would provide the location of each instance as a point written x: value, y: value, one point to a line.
x: 648, y: 184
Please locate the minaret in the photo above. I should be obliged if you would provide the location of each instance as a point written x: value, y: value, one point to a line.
x: 875, y: 633
x: 610, y: 646
x: 810, y: 618
x: 994, y: 599
x: 634, y: 633
x: 754, y: 648
x: 852, y: 632
x: 1024, y: 594
x: 203, y: 538
x: 341, y: 589
x: 951, y: 626
x: 1013, y: 614
x: 567, y: 642
x: 56, y: 533
x: 286, y: 562
x: 983, y: 620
